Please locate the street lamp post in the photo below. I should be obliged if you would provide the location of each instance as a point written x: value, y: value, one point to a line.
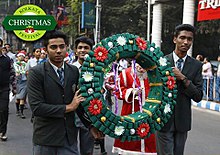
x: 97, y: 25
x: 148, y: 19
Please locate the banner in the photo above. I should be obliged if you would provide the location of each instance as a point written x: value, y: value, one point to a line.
x: 208, y: 10
x: 29, y: 22
x: 88, y: 15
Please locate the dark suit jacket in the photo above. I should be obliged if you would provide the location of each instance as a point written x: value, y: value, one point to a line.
x: 192, y: 69
x: 48, y: 99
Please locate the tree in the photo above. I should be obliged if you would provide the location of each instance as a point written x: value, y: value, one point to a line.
x: 74, y: 12
x: 123, y: 16
x: 207, y: 38
x: 73, y: 29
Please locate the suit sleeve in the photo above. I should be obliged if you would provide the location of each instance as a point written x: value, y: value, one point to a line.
x: 194, y: 90
x: 36, y: 96
x: 12, y: 76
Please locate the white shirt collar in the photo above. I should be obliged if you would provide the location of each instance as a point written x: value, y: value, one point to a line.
x: 77, y: 64
x: 3, y: 55
x: 175, y: 58
x: 55, y: 67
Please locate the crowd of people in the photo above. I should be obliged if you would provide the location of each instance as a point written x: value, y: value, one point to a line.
x: 211, y: 78
x: 48, y: 81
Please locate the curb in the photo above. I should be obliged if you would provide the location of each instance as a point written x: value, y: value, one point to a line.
x: 207, y: 105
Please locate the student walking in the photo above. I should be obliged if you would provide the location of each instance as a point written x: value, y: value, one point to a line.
x: 86, y: 141
x: 172, y: 137
x: 7, y: 77
x: 21, y: 71
x: 54, y: 99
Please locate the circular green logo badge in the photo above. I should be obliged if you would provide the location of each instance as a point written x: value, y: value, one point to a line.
x: 29, y: 33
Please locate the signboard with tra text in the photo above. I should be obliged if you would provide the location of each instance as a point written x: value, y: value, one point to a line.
x: 208, y: 10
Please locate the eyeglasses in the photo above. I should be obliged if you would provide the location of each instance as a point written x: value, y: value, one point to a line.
x: 54, y: 47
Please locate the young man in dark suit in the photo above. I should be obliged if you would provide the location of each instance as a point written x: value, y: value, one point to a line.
x: 54, y: 99
x: 188, y: 72
x: 7, y: 77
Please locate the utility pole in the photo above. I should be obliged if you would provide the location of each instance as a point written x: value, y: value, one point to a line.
x: 97, y: 25
x: 71, y: 29
x: 148, y: 19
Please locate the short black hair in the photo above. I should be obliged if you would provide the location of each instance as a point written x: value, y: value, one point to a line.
x: 34, y: 49
x: 184, y: 27
x: 84, y: 40
x: 207, y: 59
x: 7, y: 44
x: 54, y: 34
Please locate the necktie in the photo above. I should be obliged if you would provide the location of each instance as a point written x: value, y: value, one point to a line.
x: 61, y: 77
x: 179, y: 63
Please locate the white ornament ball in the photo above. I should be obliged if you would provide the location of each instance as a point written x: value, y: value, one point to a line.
x: 132, y: 131
x: 110, y: 44
x: 170, y: 95
x: 90, y: 91
x: 152, y: 49
x: 87, y: 55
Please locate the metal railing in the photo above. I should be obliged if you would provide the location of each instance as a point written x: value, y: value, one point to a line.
x: 211, y: 88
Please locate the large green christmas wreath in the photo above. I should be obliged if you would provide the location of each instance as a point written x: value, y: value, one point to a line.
x: 161, y: 99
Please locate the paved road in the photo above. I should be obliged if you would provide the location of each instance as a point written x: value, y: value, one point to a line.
x: 204, y: 139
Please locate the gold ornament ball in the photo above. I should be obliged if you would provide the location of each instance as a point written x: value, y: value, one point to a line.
x: 92, y: 64
x: 131, y: 41
x: 103, y: 118
x: 167, y: 73
x: 158, y: 120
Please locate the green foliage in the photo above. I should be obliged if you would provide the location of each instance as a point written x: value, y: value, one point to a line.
x: 74, y: 12
x: 207, y: 38
x: 131, y: 16
x: 123, y: 16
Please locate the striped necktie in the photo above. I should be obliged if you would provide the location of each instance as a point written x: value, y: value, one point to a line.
x: 179, y: 63
x: 61, y: 75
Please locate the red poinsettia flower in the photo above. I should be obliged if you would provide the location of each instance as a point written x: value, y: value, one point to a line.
x: 101, y: 53
x: 142, y: 44
x: 171, y: 82
x: 95, y: 106
x: 143, y: 130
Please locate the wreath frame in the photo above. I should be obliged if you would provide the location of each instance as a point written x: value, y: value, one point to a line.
x: 160, y: 103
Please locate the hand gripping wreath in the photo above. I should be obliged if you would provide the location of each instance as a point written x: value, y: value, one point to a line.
x: 161, y: 99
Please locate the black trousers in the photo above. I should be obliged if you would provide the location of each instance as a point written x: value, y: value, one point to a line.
x: 171, y: 142
x: 3, y: 121
x: 4, y: 101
